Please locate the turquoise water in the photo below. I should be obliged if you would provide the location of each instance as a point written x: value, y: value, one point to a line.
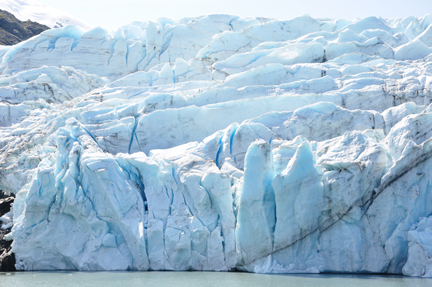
x: 205, y: 279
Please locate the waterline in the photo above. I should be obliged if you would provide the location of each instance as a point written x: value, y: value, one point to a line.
x: 206, y: 279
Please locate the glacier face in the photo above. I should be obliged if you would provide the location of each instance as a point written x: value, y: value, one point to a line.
x: 220, y: 143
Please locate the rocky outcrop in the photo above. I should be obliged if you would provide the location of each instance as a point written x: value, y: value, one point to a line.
x: 7, y: 258
x: 13, y: 31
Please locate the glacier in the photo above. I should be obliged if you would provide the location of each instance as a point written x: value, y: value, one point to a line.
x: 221, y: 143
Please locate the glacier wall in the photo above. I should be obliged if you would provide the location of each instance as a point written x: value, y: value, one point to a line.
x: 221, y: 143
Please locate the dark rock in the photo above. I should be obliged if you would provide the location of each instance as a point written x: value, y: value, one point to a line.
x: 5, y: 205
x: 13, y: 31
x: 3, y: 195
x: 7, y: 258
x: 7, y: 261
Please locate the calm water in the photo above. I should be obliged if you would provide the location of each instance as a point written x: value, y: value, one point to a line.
x: 205, y: 279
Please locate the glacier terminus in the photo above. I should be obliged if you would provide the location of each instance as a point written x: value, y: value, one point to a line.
x: 221, y: 143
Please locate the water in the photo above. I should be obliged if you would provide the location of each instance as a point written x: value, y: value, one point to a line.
x: 205, y: 279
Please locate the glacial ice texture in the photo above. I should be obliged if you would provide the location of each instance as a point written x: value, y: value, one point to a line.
x: 221, y: 143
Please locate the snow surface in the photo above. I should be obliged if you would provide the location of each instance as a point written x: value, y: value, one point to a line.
x: 220, y: 142
x: 33, y: 10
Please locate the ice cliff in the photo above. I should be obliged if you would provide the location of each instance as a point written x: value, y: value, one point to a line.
x: 221, y: 143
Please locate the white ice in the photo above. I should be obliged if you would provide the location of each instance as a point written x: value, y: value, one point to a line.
x: 221, y: 143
